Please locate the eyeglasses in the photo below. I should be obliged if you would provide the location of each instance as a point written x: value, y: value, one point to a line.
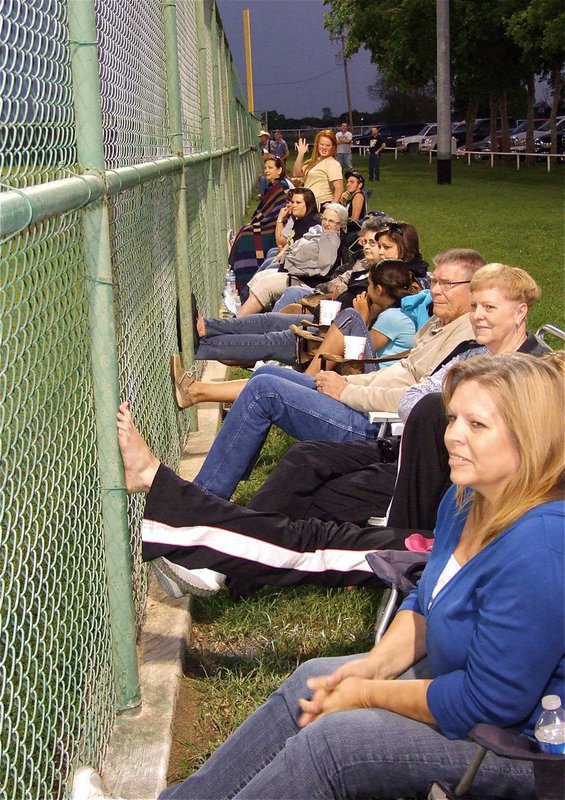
x: 331, y: 221
x: 445, y: 285
x: 368, y: 242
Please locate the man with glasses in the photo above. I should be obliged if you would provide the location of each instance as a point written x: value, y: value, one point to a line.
x: 330, y: 407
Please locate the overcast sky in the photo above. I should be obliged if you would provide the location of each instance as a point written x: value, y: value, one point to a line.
x: 294, y: 67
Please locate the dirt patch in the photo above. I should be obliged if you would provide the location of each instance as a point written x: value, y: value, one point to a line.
x: 190, y: 734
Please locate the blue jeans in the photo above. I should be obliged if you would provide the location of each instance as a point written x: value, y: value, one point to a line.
x: 293, y: 294
x: 359, y: 753
x: 275, y: 396
x: 257, y: 337
x: 346, y: 160
x: 374, y: 167
x: 263, y: 184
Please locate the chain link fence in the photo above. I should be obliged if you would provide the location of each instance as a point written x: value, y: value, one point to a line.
x: 126, y: 156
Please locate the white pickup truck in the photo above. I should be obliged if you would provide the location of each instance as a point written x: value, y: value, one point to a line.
x: 411, y: 144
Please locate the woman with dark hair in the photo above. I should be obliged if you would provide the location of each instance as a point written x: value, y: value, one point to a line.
x: 377, y: 314
x: 256, y: 237
x: 322, y: 173
x: 294, y: 219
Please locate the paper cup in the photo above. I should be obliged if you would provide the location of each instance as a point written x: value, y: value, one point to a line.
x: 354, y: 346
x: 328, y: 311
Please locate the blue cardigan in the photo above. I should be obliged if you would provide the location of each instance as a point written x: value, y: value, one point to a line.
x: 495, y: 632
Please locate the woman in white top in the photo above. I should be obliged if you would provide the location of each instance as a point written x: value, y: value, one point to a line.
x: 322, y: 173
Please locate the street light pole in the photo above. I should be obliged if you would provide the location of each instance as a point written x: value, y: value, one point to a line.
x: 443, y: 93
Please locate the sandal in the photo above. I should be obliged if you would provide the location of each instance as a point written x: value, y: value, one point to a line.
x: 302, y: 334
x: 181, y: 381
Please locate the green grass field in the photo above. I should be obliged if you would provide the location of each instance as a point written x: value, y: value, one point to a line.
x: 514, y: 217
x: 242, y: 651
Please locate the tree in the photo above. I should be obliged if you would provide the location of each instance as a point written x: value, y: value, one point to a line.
x: 404, y: 106
x: 537, y: 29
x: 401, y: 36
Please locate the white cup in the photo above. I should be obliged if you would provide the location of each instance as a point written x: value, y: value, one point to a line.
x: 354, y: 346
x: 328, y: 311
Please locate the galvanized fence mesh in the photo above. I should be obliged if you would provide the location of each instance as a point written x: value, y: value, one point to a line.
x: 115, y: 206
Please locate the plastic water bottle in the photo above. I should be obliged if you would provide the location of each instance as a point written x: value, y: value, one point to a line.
x: 550, y: 727
x: 230, y: 282
x: 231, y: 297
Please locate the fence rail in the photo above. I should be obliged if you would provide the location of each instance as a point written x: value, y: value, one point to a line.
x: 126, y: 155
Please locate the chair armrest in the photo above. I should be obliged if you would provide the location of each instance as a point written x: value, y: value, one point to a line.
x: 508, y: 743
x: 352, y: 363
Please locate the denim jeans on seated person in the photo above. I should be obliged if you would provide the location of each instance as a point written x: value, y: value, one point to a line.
x: 360, y: 753
x: 282, y: 397
x: 256, y: 337
x: 293, y: 294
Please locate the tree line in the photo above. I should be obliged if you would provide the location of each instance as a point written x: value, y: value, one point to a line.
x: 498, y: 49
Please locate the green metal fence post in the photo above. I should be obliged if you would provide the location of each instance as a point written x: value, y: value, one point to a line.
x: 221, y: 230
x: 184, y: 288
x: 98, y: 274
x: 205, y: 8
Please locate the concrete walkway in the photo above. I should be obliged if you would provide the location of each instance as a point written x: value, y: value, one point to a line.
x: 136, y: 764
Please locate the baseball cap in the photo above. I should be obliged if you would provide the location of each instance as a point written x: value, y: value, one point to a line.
x: 263, y: 133
x: 357, y: 175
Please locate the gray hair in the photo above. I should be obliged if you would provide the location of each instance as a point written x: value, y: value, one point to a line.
x: 341, y: 212
x: 464, y: 257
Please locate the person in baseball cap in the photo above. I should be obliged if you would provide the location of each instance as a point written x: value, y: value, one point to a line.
x: 354, y: 198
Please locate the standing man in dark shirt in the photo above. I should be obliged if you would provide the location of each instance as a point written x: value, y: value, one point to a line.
x: 376, y: 146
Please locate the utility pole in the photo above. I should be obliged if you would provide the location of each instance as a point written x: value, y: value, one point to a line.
x: 341, y: 59
x: 443, y: 164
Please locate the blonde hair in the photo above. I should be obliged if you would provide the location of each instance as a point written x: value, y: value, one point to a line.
x: 514, y: 283
x: 528, y: 393
x: 326, y: 134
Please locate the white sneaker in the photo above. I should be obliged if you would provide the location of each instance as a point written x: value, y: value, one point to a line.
x: 178, y: 581
x: 87, y: 785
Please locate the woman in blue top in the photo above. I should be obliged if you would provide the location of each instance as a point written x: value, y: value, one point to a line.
x: 479, y: 640
x: 377, y: 314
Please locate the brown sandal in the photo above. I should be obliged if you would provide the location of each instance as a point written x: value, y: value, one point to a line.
x: 302, y: 334
x: 181, y: 381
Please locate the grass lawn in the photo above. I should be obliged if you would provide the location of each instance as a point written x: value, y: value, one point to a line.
x: 240, y: 652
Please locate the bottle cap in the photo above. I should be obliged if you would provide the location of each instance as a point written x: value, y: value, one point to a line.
x: 551, y: 702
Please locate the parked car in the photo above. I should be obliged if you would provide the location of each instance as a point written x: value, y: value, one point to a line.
x: 481, y: 128
x: 518, y: 138
x: 411, y: 144
x: 542, y: 144
x: 390, y: 131
x: 429, y: 142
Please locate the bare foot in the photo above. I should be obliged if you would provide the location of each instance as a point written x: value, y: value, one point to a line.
x: 140, y: 465
x: 201, y: 326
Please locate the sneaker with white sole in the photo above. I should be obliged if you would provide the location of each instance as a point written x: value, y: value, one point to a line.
x: 178, y: 581
x: 87, y: 785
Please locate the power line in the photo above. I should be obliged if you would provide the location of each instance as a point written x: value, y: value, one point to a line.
x: 305, y: 80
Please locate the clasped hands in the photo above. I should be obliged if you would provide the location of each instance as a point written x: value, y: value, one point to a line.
x: 348, y: 687
x: 330, y: 383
